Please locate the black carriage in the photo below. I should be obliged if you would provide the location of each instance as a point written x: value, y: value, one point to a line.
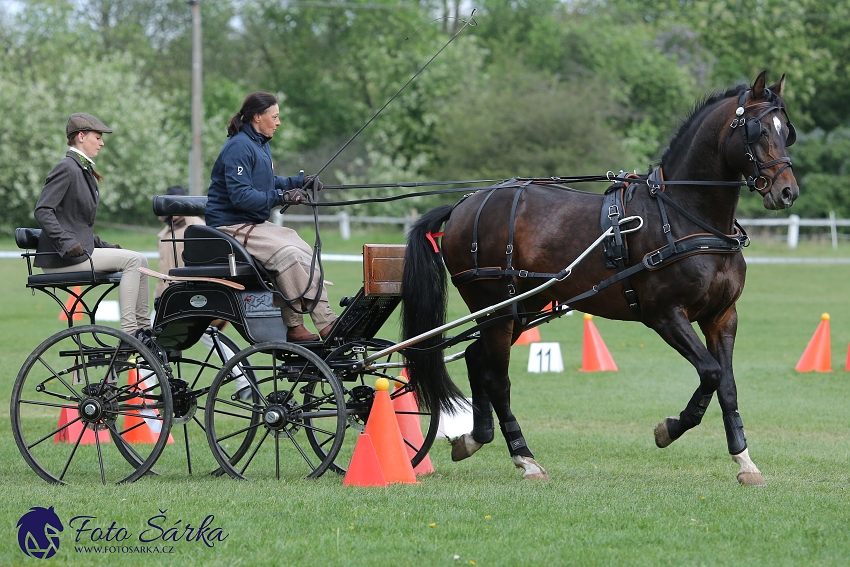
x: 272, y: 409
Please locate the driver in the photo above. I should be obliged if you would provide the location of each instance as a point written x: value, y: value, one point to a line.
x: 243, y: 190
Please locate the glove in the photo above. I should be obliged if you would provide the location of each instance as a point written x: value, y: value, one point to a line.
x: 116, y: 246
x: 308, y: 180
x: 294, y: 197
x: 75, y: 251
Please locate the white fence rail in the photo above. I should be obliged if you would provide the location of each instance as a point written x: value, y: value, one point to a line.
x: 344, y: 220
x: 794, y: 222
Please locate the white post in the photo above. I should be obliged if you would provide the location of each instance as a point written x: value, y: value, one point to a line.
x: 195, y: 174
x: 834, y: 229
x: 344, y: 225
x: 793, y: 231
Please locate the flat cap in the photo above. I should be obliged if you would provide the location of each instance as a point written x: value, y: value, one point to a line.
x: 82, y: 122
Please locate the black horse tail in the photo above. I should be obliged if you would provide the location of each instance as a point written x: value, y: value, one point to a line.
x: 423, y: 308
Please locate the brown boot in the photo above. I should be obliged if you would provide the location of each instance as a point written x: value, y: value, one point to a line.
x: 300, y: 334
x: 327, y: 330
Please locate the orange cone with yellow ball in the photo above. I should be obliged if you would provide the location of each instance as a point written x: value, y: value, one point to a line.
x: 408, y: 416
x: 818, y: 354
x: 382, y: 428
x: 595, y: 356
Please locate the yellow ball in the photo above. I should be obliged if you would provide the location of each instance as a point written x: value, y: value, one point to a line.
x: 382, y: 384
x: 825, y: 317
x: 588, y: 316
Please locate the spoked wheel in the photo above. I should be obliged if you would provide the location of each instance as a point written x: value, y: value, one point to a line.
x: 91, y: 402
x: 193, y: 373
x: 418, y: 427
x: 294, y: 393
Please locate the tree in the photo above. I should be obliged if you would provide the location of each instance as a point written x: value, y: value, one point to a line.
x: 141, y: 158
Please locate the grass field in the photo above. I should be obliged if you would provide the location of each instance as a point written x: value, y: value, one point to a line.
x: 614, y: 498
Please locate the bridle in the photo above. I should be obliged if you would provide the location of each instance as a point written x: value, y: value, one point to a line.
x: 753, y: 129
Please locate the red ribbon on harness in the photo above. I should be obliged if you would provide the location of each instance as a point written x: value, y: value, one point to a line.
x: 430, y: 236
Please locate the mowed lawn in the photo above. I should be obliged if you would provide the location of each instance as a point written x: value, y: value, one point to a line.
x: 614, y: 498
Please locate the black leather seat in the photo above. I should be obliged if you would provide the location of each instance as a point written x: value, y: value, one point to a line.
x: 27, y: 239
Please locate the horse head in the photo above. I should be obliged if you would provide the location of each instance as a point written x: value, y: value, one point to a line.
x: 757, y: 143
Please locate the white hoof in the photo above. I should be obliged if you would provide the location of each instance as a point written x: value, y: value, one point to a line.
x: 464, y: 446
x: 531, y: 468
x: 749, y: 474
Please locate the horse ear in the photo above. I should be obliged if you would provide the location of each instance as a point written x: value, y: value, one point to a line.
x: 780, y: 86
x: 758, y: 86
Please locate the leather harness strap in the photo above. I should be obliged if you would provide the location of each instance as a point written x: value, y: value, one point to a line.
x: 247, y: 233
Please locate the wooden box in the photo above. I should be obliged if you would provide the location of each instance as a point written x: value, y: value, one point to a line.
x: 382, y: 268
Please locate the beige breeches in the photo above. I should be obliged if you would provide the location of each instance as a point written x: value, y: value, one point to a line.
x: 132, y: 291
x: 287, y: 258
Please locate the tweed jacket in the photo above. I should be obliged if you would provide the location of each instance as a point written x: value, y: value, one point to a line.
x: 65, y: 212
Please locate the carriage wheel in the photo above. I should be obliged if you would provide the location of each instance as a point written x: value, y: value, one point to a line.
x: 192, y: 378
x: 91, y: 402
x: 295, y: 393
x: 419, y: 427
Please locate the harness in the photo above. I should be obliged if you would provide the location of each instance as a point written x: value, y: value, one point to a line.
x: 615, y: 248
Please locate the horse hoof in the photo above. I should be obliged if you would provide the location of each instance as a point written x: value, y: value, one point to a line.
x: 463, y: 447
x: 751, y: 479
x: 662, y: 435
x: 531, y: 469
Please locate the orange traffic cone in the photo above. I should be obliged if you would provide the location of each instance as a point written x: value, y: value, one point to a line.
x: 407, y: 414
x: 73, y: 306
x: 71, y: 433
x: 364, y: 469
x: 818, y: 355
x: 141, y: 427
x: 382, y: 428
x: 595, y: 356
x: 530, y: 336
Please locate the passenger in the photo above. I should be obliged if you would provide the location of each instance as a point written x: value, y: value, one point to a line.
x: 170, y: 253
x: 66, y: 212
x: 243, y: 190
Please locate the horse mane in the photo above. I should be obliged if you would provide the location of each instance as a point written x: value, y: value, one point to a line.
x: 696, y: 114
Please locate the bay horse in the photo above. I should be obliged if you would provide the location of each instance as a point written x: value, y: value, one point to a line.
x: 683, y: 265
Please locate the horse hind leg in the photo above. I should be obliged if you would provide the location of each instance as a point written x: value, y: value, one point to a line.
x: 497, y: 345
x: 482, y: 410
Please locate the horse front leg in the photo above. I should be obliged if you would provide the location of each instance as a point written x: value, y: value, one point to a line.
x: 677, y: 331
x: 720, y: 335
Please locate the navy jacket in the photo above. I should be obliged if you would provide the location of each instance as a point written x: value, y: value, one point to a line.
x: 65, y: 212
x: 243, y: 186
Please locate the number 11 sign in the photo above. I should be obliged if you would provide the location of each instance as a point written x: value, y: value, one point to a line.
x: 545, y: 357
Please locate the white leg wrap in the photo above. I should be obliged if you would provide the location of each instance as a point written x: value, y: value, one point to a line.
x: 464, y: 446
x: 531, y: 468
x: 749, y: 473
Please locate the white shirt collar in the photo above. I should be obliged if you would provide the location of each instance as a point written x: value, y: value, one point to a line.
x: 86, y: 159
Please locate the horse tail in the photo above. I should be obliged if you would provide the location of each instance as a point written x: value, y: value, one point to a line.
x: 423, y: 308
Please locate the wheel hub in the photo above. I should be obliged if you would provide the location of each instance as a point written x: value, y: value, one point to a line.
x: 282, y: 413
x: 184, y: 400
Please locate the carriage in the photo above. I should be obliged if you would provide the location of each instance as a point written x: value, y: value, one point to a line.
x: 671, y: 258
x: 272, y: 409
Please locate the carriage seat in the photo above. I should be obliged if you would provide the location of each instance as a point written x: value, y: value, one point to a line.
x: 206, y: 250
x: 27, y: 239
